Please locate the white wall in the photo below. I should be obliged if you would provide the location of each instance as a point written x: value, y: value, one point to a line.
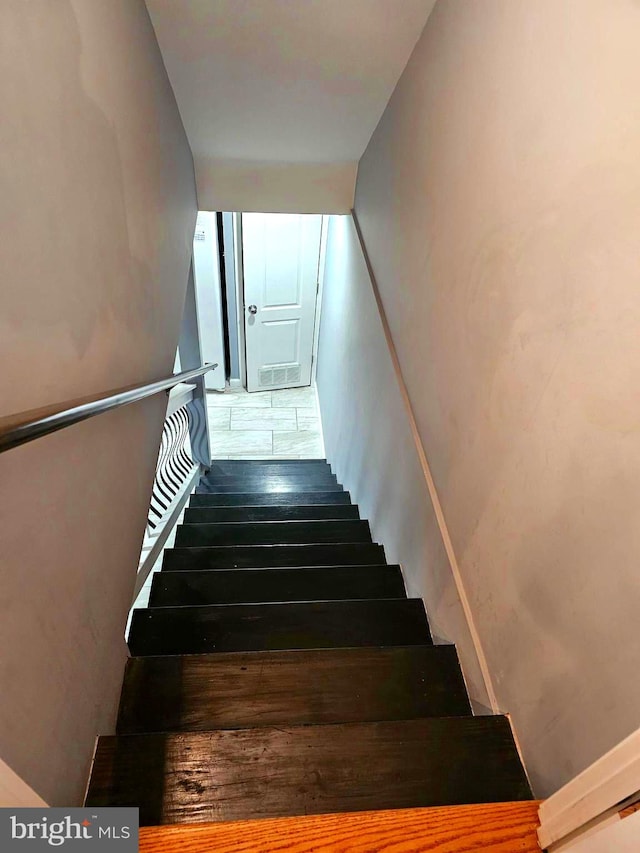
x: 370, y: 445
x: 275, y: 187
x: 499, y: 200
x: 98, y: 208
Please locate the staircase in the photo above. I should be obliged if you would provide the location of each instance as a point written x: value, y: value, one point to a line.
x: 280, y: 669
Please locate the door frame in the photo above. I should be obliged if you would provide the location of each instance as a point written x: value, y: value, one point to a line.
x: 324, y: 228
x: 239, y: 277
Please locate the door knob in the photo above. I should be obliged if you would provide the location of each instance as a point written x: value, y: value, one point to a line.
x: 253, y: 309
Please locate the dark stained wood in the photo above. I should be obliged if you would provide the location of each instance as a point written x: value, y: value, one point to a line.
x: 269, y: 585
x: 248, y: 689
x: 490, y: 828
x: 270, y: 480
x: 277, y: 772
x: 275, y: 499
x: 244, y: 485
x: 263, y: 556
x: 256, y: 627
x: 323, y: 695
x: 272, y: 532
x: 237, y: 465
x: 213, y: 515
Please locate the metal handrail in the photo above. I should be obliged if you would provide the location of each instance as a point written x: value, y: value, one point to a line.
x: 27, y: 426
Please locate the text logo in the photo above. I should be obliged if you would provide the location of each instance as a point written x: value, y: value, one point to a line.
x: 101, y: 829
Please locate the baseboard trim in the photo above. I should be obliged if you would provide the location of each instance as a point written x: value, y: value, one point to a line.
x: 607, y: 782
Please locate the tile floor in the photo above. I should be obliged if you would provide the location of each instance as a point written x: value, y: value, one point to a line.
x: 266, y: 424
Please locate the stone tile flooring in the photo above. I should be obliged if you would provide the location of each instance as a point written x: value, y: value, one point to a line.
x: 266, y: 424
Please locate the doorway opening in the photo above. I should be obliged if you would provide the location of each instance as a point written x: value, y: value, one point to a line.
x: 267, y: 291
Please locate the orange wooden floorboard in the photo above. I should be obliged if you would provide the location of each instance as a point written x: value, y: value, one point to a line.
x: 493, y: 828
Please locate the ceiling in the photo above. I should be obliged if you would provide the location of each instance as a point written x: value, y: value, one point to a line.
x: 284, y: 81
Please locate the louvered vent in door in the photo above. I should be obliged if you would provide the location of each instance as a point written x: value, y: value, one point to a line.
x: 270, y: 376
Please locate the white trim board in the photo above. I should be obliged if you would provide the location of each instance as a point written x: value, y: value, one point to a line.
x: 239, y: 280
x: 319, y: 292
x: 14, y: 791
x: 608, y: 781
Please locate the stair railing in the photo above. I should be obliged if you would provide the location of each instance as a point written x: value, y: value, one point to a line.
x: 183, y: 449
x: 36, y: 423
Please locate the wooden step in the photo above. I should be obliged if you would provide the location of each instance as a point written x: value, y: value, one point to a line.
x: 247, y: 689
x: 252, y: 464
x: 263, y: 556
x: 173, y: 589
x: 258, y: 627
x: 274, y: 499
x: 277, y: 772
x: 244, y: 485
x: 485, y: 828
x: 213, y: 515
x: 269, y: 478
x: 238, y: 466
x: 272, y: 533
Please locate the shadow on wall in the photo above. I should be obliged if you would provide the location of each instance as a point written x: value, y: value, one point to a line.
x: 99, y: 207
x: 370, y: 445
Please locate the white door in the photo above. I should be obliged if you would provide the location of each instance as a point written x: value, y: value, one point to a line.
x: 281, y: 254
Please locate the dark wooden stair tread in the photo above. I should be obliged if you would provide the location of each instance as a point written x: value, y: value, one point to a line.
x: 272, y: 532
x: 212, y: 515
x: 281, y: 670
x: 247, y: 689
x: 263, y: 556
x: 256, y: 627
x: 240, y: 485
x: 313, y: 583
x: 267, y: 772
x: 270, y: 499
x: 271, y: 476
x: 255, y: 464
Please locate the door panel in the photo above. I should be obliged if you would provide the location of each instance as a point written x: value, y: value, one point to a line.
x: 281, y: 254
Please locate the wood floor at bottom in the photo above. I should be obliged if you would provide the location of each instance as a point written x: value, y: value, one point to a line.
x: 492, y: 828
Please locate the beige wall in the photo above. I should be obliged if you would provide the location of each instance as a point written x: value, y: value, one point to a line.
x: 371, y: 448
x: 243, y: 186
x: 500, y: 203
x: 98, y: 207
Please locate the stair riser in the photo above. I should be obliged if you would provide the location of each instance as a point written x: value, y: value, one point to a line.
x: 269, y: 475
x: 264, y: 556
x: 280, y: 499
x: 242, y: 690
x: 272, y: 585
x: 251, y: 466
x: 216, y: 515
x: 272, y: 533
x: 317, y: 625
x: 241, y: 486
x: 254, y: 464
